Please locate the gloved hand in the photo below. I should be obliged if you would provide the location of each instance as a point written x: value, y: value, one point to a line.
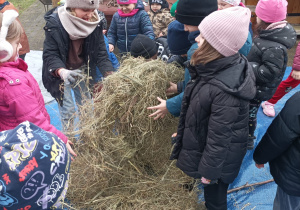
x: 69, y: 76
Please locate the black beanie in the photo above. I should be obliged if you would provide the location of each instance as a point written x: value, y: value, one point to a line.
x: 164, y: 3
x: 143, y: 46
x: 192, y: 12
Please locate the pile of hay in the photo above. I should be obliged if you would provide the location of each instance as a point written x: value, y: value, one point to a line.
x: 123, y: 160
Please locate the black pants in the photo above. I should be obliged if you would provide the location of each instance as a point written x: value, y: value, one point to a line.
x: 215, y: 196
x: 253, y: 109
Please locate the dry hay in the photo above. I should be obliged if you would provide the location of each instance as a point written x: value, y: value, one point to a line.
x: 123, y: 160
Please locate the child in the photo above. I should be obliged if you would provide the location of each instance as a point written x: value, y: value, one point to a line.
x: 130, y: 20
x: 73, y: 44
x: 223, y: 4
x: 284, y: 87
x: 20, y: 96
x: 268, y: 56
x: 160, y: 17
x: 190, y: 13
x: 34, y: 169
x: 5, y: 5
x: 211, y: 138
x: 280, y: 146
x: 150, y: 49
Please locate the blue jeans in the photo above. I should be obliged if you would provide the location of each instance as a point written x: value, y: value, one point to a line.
x: 284, y: 201
x: 68, y: 111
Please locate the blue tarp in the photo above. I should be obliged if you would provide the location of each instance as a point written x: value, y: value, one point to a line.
x: 260, y: 197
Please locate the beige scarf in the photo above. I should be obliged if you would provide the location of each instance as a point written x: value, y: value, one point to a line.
x: 77, y: 28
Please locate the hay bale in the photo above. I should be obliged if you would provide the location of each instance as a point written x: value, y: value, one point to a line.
x: 123, y: 160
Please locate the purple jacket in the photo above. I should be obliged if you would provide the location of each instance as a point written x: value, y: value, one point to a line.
x: 296, y: 63
x: 21, y: 99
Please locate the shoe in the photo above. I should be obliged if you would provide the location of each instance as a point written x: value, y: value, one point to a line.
x: 250, y: 143
x: 268, y: 109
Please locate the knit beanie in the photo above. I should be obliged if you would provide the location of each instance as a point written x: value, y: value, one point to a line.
x: 34, y: 168
x: 127, y: 1
x: 143, y: 46
x: 271, y: 11
x: 192, y: 12
x: 178, y: 41
x: 226, y: 30
x: 173, y: 8
x: 233, y: 2
x: 156, y: 1
x: 82, y: 4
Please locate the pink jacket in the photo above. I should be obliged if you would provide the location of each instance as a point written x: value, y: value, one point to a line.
x: 21, y: 99
x: 296, y: 63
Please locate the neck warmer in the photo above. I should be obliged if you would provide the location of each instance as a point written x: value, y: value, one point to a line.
x: 132, y: 13
x: 279, y: 24
x: 77, y: 28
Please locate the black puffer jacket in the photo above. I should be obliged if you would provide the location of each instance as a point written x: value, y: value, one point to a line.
x: 268, y: 57
x: 213, y: 128
x: 56, y: 48
x: 281, y: 147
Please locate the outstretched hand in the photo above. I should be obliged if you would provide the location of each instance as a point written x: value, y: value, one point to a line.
x: 69, y: 143
x: 172, y: 89
x: 161, y: 109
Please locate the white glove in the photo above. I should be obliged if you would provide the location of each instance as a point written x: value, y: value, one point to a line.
x: 70, y: 76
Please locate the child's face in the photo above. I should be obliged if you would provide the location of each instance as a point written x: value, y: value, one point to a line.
x: 85, y: 14
x: 223, y: 5
x: 190, y: 28
x: 127, y: 8
x: 155, y: 7
x: 16, y: 47
x: 199, y: 39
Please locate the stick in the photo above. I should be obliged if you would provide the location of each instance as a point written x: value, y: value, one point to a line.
x: 249, y: 185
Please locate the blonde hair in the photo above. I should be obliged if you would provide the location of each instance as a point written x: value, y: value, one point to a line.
x: 205, y: 54
x: 15, y: 30
x: 94, y: 18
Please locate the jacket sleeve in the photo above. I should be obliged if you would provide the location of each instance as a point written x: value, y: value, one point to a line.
x: 146, y: 25
x: 174, y: 105
x: 296, y: 63
x: 247, y: 46
x: 271, y: 67
x: 17, y: 96
x: 283, y: 131
x: 224, y: 114
x: 112, y: 31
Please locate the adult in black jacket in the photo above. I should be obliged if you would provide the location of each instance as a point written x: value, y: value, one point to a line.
x: 212, y: 134
x: 268, y: 55
x: 280, y: 146
x: 72, y: 45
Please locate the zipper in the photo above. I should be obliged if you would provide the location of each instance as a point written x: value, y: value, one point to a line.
x: 126, y: 33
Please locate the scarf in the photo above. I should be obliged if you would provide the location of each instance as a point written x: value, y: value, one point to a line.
x: 77, y: 28
x: 279, y: 24
x: 132, y: 13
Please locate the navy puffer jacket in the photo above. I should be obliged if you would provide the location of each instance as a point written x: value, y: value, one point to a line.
x: 268, y: 57
x: 212, y: 134
x: 123, y: 30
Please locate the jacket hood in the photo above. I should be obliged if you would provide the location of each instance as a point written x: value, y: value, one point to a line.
x: 286, y: 36
x: 231, y: 74
x: 139, y: 5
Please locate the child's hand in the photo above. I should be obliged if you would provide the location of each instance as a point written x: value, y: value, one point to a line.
x: 104, y: 31
x: 259, y: 166
x: 111, y: 47
x: 172, y: 89
x: 161, y: 34
x: 161, y: 109
x: 70, y: 149
x: 296, y: 75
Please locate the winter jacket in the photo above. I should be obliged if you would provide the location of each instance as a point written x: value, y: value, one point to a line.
x: 280, y: 146
x: 123, y: 30
x: 160, y: 21
x: 56, y: 49
x: 212, y: 134
x: 296, y: 62
x: 174, y: 103
x: 247, y: 46
x: 21, y: 99
x: 268, y: 57
x: 163, y: 51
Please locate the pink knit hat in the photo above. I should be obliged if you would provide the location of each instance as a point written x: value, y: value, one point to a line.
x: 271, y: 11
x: 233, y: 2
x: 226, y: 30
x: 127, y: 1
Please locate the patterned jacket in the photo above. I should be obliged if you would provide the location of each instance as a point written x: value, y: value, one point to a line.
x: 160, y: 21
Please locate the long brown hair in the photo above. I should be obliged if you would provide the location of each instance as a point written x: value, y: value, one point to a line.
x: 15, y: 30
x: 205, y: 54
x: 261, y: 26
